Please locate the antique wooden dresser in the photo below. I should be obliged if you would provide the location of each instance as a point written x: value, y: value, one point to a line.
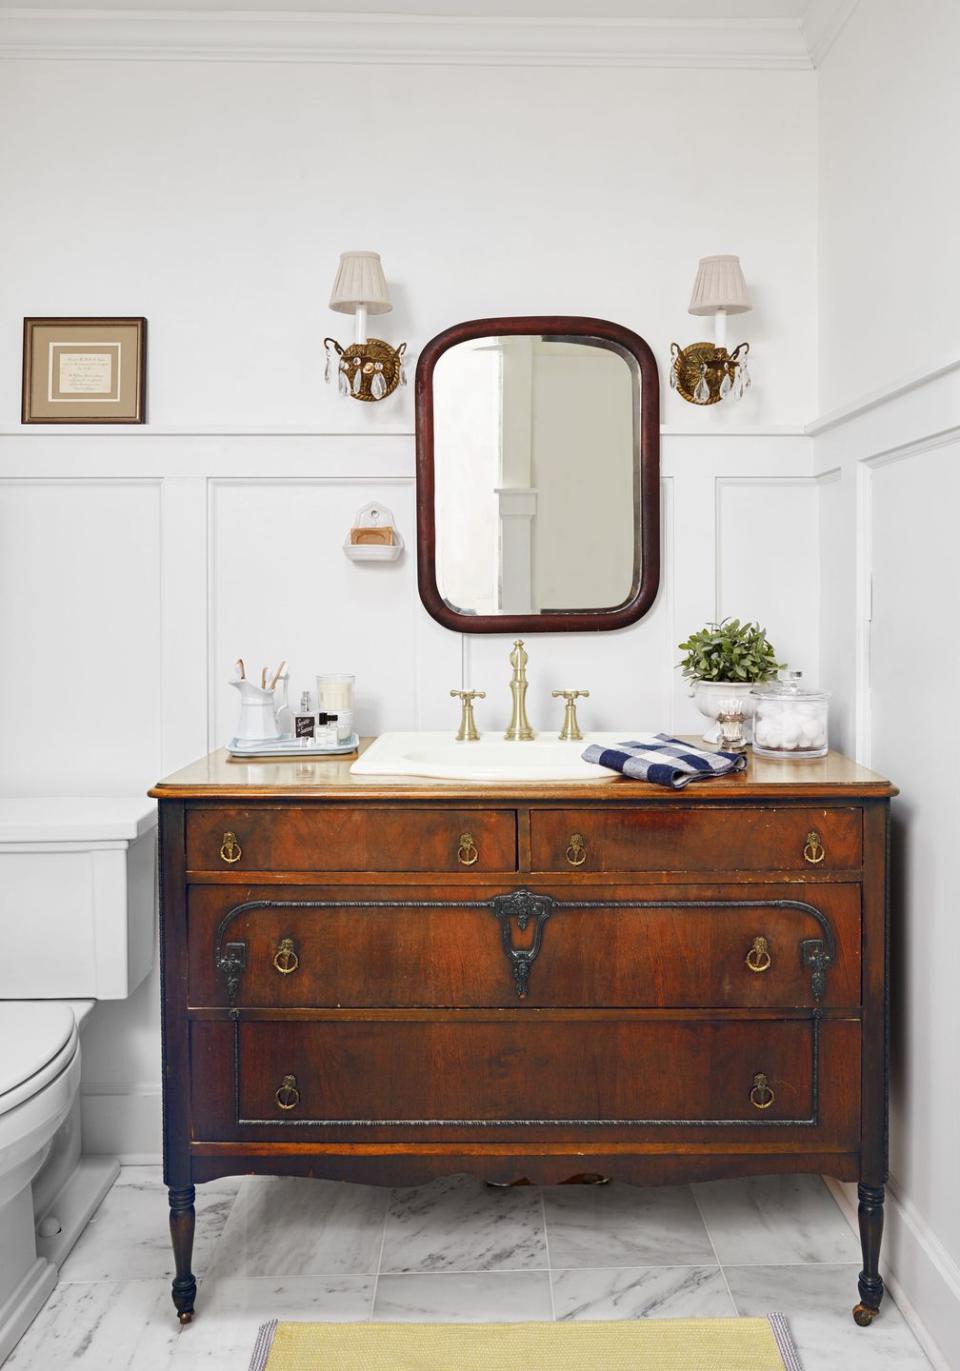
x: 385, y: 980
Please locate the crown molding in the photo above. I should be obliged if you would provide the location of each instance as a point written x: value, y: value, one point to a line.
x: 249, y: 36
x: 823, y: 24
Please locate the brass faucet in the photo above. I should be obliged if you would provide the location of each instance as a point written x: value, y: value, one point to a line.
x: 467, y: 733
x: 571, y: 729
x: 519, y: 729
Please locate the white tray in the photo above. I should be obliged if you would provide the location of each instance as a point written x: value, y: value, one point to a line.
x: 290, y: 747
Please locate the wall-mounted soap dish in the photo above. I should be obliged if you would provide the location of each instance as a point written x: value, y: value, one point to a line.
x: 374, y: 536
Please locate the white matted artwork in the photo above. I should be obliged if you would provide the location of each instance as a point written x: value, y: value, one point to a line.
x: 82, y: 371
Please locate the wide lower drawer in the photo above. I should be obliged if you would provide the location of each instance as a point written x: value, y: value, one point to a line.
x: 435, y: 1077
x: 351, y: 838
x: 695, y: 838
x: 786, y: 946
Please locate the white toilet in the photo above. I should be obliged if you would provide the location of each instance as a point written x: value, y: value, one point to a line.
x: 77, y: 880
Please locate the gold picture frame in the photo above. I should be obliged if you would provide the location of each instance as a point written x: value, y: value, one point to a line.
x: 84, y: 371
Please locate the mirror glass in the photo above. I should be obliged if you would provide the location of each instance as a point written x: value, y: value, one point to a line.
x: 537, y: 490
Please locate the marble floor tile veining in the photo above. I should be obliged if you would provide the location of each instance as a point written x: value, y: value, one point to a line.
x: 456, y: 1251
x: 460, y: 1224
x: 772, y: 1219
x: 124, y: 1241
x: 642, y: 1292
x: 464, y: 1297
x: 292, y: 1227
x: 625, y: 1225
x: 814, y: 1297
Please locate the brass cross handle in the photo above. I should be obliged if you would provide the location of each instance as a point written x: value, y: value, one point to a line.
x: 288, y: 1096
x: 467, y: 732
x: 813, y: 850
x: 758, y: 958
x: 285, y: 959
x: 761, y: 1096
x: 230, y: 849
x: 570, y: 732
x: 467, y: 852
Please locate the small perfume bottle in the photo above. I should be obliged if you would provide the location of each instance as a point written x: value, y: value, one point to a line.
x: 304, y: 722
x: 327, y: 725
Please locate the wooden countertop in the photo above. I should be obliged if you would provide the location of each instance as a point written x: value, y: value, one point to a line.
x: 219, y: 777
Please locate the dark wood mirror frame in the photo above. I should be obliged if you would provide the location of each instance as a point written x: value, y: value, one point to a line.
x: 646, y: 481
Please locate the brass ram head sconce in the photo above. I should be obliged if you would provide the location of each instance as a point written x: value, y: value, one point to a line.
x: 705, y: 373
x: 369, y: 368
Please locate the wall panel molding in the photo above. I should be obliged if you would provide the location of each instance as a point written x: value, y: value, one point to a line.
x: 423, y: 40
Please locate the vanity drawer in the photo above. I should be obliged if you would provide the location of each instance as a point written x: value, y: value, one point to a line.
x: 696, y: 838
x: 783, y: 947
x: 553, y: 1076
x: 351, y: 838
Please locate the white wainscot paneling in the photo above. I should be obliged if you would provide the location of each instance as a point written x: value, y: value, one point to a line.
x: 80, y: 695
x: 914, y: 667
x: 768, y: 563
x: 280, y: 586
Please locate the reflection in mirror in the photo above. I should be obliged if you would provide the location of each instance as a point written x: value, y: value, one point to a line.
x: 536, y: 475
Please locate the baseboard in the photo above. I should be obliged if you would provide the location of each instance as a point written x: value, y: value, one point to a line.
x: 124, y: 1121
x: 918, y: 1271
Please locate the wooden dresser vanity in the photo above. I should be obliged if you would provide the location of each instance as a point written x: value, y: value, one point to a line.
x: 387, y: 980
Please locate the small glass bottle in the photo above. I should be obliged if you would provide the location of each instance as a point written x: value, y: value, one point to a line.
x: 327, y: 735
x: 305, y: 722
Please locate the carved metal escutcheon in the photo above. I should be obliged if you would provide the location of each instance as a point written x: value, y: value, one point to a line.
x: 522, y: 905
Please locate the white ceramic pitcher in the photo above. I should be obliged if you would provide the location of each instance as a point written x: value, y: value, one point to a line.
x: 258, y: 718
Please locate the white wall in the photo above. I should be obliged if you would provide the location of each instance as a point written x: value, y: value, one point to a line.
x: 890, y: 590
x: 136, y: 564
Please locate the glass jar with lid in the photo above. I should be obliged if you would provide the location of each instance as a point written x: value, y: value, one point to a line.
x: 790, y: 718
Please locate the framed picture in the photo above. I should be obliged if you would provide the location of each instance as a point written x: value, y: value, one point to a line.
x: 84, y: 371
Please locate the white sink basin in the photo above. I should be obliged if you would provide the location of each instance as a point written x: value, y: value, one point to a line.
x: 545, y: 758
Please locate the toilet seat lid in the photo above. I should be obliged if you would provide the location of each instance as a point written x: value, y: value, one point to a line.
x: 33, y: 1035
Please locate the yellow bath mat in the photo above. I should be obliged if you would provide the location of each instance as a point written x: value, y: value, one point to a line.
x: 638, y: 1345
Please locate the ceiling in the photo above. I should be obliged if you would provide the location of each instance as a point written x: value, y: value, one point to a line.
x: 484, y: 9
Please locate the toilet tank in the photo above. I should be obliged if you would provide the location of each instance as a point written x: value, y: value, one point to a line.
x: 77, y: 901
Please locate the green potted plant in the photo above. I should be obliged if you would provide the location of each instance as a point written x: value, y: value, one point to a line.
x: 722, y: 662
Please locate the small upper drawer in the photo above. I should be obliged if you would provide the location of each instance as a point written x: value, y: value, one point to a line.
x: 696, y: 838
x: 351, y: 838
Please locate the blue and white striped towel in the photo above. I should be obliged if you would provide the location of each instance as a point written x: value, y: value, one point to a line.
x: 663, y: 760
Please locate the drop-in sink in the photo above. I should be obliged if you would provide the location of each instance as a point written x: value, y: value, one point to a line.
x: 490, y: 758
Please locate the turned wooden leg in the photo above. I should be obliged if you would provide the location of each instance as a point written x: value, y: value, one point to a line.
x: 871, y: 1231
x: 182, y: 1216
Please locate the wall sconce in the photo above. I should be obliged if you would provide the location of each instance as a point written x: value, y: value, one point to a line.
x: 704, y: 373
x: 369, y: 369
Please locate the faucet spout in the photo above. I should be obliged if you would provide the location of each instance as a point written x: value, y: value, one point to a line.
x: 519, y: 729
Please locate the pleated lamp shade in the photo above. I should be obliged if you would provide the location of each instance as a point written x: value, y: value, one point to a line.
x: 719, y: 285
x: 360, y: 281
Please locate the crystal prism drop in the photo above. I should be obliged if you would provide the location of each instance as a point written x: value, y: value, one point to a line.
x: 726, y: 385
x: 702, y: 392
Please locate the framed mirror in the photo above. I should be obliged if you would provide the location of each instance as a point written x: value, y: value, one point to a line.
x: 538, y: 475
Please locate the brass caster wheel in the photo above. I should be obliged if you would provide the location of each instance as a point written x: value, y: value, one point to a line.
x: 864, y: 1315
x: 185, y: 1316
x: 587, y: 1178
x: 507, y: 1185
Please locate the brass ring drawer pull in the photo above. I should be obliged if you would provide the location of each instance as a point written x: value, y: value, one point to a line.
x: 761, y: 1096
x: 230, y: 849
x: 288, y: 1096
x: 576, y: 850
x: 285, y: 959
x: 467, y: 852
x: 813, y: 850
x: 758, y: 958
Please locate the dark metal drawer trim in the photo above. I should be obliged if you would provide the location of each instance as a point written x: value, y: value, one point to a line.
x: 816, y: 953
x: 811, y: 1122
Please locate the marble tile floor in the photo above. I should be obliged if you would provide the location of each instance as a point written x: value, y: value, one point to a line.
x: 456, y: 1250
